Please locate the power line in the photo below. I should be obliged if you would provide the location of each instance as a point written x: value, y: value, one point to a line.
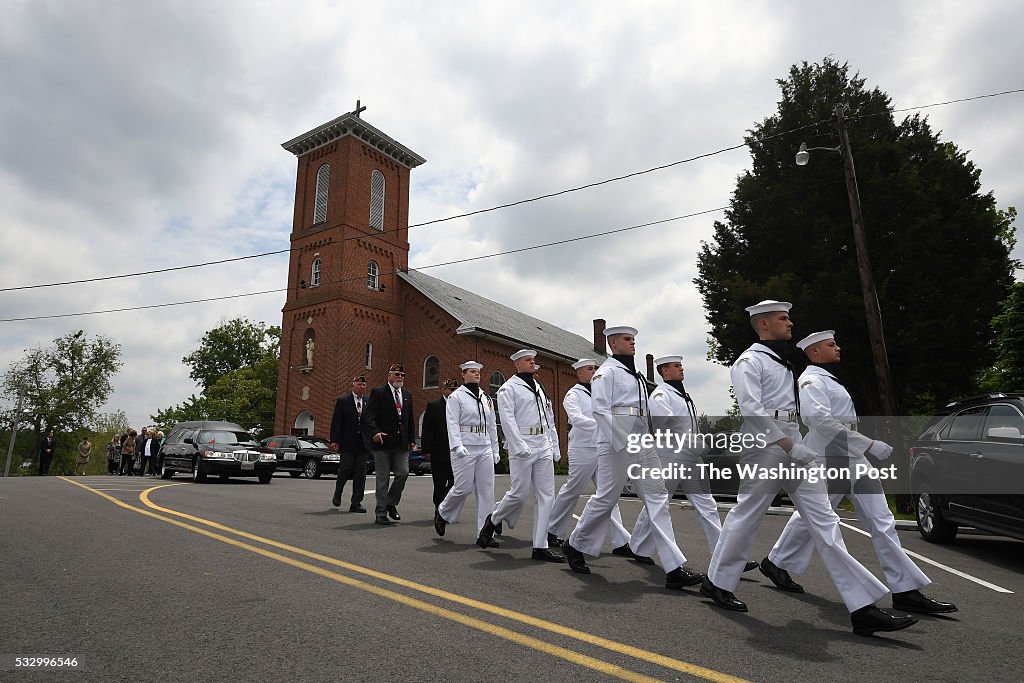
x: 578, y: 238
x: 377, y: 234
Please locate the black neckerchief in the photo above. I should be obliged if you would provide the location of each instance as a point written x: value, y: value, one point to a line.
x: 833, y: 369
x: 586, y: 387
x: 537, y: 389
x: 474, y: 389
x: 780, y: 354
x: 677, y: 384
x: 628, y: 361
x: 528, y: 378
x: 642, y: 393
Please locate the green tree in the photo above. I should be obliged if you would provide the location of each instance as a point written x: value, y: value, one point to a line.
x: 1007, y: 372
x: 63, y: 385
x: 236, y: 365
x: 939, y: 247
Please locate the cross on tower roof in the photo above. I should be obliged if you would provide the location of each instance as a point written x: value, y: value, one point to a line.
x: 359, y: 109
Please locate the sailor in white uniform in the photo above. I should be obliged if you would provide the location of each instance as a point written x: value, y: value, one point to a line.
x: 828, y: 411
x: 473, y: 438
x: 621, y: 409
x: 531, y: 437
x: 673, y: 411
x: 582, y: 462
x: 765, y: 388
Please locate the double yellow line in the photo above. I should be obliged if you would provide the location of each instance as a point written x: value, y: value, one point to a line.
x: 507, y: 634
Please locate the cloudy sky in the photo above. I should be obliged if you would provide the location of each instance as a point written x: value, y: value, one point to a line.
x: 142, y: 135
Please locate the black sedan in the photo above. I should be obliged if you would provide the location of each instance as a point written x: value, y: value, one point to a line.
x: 303, y: 455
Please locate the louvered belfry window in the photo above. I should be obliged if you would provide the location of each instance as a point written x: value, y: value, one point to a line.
x: 323, y: 176
x: 377, y: 200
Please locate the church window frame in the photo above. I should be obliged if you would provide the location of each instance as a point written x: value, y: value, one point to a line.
x: 373, y: 276
x: 369, y: 355
x: 377, y: 186
x: 431, y: 372
x: 323, y: 180
x: 314, y: 273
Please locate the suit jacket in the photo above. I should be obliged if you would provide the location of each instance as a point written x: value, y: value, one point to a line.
x: 434, y: 437
x: 380, y: 415
x: 347, y: 425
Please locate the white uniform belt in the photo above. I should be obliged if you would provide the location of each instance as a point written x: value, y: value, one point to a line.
x: 627, y: 410
x: 783, y: 414
x: 472, y: 428
x: 531, y: 431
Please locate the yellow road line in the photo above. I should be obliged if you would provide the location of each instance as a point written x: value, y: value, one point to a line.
x: 583, y: 636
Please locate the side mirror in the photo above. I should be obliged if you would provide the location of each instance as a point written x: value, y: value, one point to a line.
x: 1004, y: 434
x: 189, y: 441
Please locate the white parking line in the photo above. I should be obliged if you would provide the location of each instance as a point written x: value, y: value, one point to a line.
x: 957, y: 572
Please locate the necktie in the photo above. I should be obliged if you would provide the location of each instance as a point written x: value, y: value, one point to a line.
x: 359, y: 406
x: 398, y: 402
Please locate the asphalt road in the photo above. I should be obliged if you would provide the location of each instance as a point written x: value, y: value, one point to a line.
x: 141, y: 580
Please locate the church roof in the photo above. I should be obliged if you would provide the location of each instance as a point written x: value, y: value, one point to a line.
x: 480, y: 316
x: 352, y: 124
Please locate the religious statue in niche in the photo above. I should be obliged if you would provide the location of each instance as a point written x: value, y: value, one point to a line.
x: 309, y: 351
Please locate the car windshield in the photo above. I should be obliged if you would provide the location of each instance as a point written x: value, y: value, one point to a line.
x: 312, y: 443
x: 226, y: 438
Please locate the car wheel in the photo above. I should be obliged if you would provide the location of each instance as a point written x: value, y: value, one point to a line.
x: 198, y: 471
x: 295, y: 474
x: 629, y: 488
x: 311, y: 468
x: 165, y: 472
x: 933, y: 526
x: 265, y: 477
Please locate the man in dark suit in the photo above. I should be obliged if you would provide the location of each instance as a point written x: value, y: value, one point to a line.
x: 434, y: 442
x: 388, y: 422
x: 46, y: 451
x: 348, y: 439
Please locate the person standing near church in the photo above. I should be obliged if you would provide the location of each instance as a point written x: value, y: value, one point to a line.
x: 528, y: 422
x: 622, y: 413
x: 388, y: 418
x: 434, y: 442
x: 472, y: 434
x: 827, y: 409
x: 348, y: 439
x: 766, y: 391
x: 582, y: 463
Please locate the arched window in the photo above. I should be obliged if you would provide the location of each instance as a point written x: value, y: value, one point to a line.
x: 303, y: 423
x: 431, y: 372
x: 323, y: 177
x: 372, y: 276
x: 369, y: 355
x: 314, y: 274
x: 377, y: 200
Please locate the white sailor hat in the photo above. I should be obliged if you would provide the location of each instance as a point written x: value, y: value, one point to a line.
x: 665, y: 360
x: 814, y: 338
x: 471, y: 365
x: 621, y: 329
x: 523, y: 353
x: 768, y: 306
x: 584, y: 362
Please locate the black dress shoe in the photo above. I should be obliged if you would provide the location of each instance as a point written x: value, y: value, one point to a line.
x: 336, y: 501
x: 555, y: 540
x: 867, y: 620
x: 723, y: 598
x: 545, y: 555
x: 486, y: 532
x: 499, y: 529
x: 485, y: 542
x: 575, y: 558
x: 356, y: 508
x: 916, y: 601
x: 439, y: 523
x: 393, y: 513
x: 383, y: 520
x: 780, y: 577
x: 680, y: 577
x: 624, y: 551
x: 749, y: 566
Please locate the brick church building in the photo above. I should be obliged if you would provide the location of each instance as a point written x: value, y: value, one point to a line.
x: 354, y: 307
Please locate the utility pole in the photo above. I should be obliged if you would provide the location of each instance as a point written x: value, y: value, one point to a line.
x: 14, y: 433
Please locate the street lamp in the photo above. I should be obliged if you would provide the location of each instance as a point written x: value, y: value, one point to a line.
x: 872, y: 308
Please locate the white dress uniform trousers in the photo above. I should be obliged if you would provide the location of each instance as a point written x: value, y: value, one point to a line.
x: 670, y: 411
x: 582, y: 467
x: 620, y: 405
x: 473, y: 438
x: 765, y: 390
x: 528, y: 424
x: 828, y: 411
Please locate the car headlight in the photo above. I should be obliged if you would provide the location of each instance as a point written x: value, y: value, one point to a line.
x: 264, y: 457
x: 215, y: 454
x: 332, y: 457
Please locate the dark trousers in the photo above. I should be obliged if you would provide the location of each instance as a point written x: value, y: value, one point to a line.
x: 127, y: 463
x: 352, y: 467
x: 144, y: 461
x: 112, y: 465
x: 444, y: 479
x: 44, y: 464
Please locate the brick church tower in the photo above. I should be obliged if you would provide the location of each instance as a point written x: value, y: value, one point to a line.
x: 343, y: 314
